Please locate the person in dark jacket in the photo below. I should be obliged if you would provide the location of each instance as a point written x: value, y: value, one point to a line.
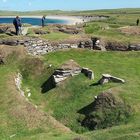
x: 137, y: 22
x: 43, y: 21
x: 17, y: 24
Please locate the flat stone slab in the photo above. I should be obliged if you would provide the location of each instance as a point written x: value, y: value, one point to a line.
x: 106, y: 78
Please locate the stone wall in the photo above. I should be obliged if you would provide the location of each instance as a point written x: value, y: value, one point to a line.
x: 40, y: 47
x: 36, y: 46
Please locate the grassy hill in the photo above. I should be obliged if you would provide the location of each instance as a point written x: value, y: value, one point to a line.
x: 21, y: 118
x: 88, y: 12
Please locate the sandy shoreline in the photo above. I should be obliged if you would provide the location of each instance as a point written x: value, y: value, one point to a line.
x: 71, y: 20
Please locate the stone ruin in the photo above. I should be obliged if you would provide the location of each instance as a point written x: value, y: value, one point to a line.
x: 106, y: 78
x: 40, y: 31
x: 37, y: 46
x: 89, y: 73
x: 68, y: 69
x: 41, y: 47
x: 70, y: 30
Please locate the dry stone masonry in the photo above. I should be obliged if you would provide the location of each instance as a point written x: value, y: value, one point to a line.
x: 40, y: 47
x: 68, y: 69
x: 37, y: 46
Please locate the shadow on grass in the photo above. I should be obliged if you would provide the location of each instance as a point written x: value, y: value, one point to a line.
x: 95, y: 84
x: 87, y: 109
x: 11, y: 33
x: 47, y: 85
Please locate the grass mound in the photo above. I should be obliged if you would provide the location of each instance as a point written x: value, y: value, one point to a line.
x: 107, y: 110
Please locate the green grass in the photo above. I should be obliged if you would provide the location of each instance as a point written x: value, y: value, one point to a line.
x: 56, y: 36
x: 110, y: 32
x: 52, y: 36
x: 64, y: 101
x: 15, y: 124
x: 3, y: 36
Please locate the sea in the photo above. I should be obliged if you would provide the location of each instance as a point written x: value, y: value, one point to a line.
x: 34, y: 21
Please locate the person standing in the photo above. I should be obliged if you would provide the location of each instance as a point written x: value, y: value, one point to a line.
x: 43, y: 21
x: 17, y: 24
x: 137, y: 22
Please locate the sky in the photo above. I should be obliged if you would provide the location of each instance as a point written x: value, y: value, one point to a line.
x: 31, y: 5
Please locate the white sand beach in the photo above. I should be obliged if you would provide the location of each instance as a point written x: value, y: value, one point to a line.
x: 71, y: 19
